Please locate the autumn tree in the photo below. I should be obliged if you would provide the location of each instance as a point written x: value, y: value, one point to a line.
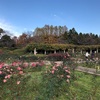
x: 23, y: 40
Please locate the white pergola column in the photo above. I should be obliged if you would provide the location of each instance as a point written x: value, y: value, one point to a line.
x: 35, y: 51
x: 97, y: 50
x: 45, y: 52
x: 81, y: 51
x: 73, y: 50
x: 55, y: 51
x: 90, y: 51
x: 64, y: 51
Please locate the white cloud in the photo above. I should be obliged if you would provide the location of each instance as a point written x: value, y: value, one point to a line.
x: 9, y: 27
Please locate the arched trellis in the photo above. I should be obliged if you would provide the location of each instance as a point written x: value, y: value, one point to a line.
x: 34, y: 47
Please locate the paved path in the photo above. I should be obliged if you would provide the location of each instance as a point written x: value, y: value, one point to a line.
x: 79, y: 68
x: 88, y: 70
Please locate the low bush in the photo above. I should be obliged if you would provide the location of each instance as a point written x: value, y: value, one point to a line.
x: 58, y: 56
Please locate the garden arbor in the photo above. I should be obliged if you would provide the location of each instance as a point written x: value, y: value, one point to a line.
x: 54, y: 48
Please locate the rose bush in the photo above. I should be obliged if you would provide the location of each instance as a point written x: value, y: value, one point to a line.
x: 18, y: 69
x: 53, y: 79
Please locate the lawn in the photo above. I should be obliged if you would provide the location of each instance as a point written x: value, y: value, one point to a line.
x: 32, y: 87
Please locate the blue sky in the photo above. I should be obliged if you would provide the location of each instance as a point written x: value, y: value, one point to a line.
x: 18, y: 16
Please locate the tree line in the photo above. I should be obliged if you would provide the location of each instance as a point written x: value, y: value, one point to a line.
x: 49, y: 34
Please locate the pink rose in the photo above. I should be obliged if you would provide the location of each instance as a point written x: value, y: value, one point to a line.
x: 33, y: 65
x: 18, y: 82
x: 67, y: 71
x: 26, y: 64
x: 68, y: 76
x: 14, y: 64
x: 21, y: 72
x: 54, y: 68
x: 4, y: 80
x: 0, y: 72
x: 9, y: 76
x: 18, y: 68
x: 64, y: 56
x: 52, y: 71
x: 65, y: 67
x: 1, y: 66
x: 6, y: 76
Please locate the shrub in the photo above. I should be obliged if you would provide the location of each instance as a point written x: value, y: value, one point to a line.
x: 18, y: 69
x: 53, y: 79
x: 57, y: 56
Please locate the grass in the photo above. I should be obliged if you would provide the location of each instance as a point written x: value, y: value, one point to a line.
x: 84, y: 87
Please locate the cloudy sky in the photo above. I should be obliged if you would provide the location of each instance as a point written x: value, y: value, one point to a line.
x: 18, y: 16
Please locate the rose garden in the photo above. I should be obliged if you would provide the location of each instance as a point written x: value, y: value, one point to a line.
x: 34, y: 75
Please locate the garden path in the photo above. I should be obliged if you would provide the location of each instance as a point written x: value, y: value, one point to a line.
x: 79, y: 68
x: 89, y: 70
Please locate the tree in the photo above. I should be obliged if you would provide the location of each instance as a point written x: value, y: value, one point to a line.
x: 1, y: 31
x: 23, y: 40
x: 51, y: 29
x: 50, y: 39
x: 6, y: 41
